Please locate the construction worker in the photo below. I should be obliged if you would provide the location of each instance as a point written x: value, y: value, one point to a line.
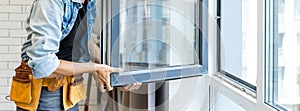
x: 56, y: 54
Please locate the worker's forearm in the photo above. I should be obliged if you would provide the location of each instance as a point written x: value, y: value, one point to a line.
x: 95, y: 52
x: 101, y: 72
x: 67, y: 68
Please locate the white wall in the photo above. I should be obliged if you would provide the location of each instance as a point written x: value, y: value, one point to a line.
x: 13, y: 14
x: 190, y: 94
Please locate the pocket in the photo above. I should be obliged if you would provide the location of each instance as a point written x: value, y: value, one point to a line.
x: 77, y: 92
x: 21, y: 90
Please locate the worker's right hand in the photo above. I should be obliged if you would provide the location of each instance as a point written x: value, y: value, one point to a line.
x: 102, y: 76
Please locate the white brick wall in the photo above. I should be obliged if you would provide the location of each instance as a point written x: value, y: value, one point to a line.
x: 13, y: 65
x: 10, y: 8
x: 4, y: 2
x: 13, y: 14
x: 18, y: 17
x: 4, y: 33
x: 10, y: 25
x: 17, y: 33
x: 3, y: 65
x: 20, y: 2
x: 4, y: 16
x: 4, y: 49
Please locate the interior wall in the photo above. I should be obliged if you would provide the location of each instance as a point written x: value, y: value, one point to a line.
x: 190, y: 94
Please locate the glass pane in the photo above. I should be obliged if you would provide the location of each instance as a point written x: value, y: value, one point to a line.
x: 238, y: 39
x: 158, y: 33
x: 222, y: 103
x: 287, y: 52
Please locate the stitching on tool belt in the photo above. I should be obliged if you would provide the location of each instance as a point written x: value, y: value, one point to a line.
x: 21, y: 80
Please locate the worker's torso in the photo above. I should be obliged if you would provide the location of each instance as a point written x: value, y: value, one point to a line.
x: 71, y: 47
x: 70, y: 12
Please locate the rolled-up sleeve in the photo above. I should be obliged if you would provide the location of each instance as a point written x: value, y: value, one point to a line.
x: 44, y: 29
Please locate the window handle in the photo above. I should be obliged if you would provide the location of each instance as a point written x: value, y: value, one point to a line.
x: 217, y: 17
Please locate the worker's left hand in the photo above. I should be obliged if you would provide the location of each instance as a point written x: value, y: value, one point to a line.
x: 131, y: 87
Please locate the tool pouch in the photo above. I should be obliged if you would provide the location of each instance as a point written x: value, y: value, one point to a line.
x: 21, y: 84
x: 77, y: 90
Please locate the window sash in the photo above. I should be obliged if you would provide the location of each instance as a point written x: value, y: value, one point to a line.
x: 110, y: 44
x: 239, y: 81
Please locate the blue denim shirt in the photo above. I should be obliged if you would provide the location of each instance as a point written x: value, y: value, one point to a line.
x: 49, y: 22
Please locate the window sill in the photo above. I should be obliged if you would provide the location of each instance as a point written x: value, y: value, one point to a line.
x: 241, y: 97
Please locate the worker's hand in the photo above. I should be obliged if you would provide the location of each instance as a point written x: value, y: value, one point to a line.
x: 102, y: 76
x: 131, y: 87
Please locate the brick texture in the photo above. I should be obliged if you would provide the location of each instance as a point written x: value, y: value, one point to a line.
x: 4, y: 90
x: 14, y: 49
x: 10, y: 106
x: 10, y: 57
x: 18, y: 33
x: 3, y: 16
x: 10, y: 9
x: 4, y: 33
x: 21, y: 2
x: 13, y: 15
x: 10, y: 25
x: 3, y: 65
x: 18, y: 17
x: 10, y: 41
x: 3, y: 82
x: 13, y: 65
x: 4, y: 49
x: 4, y: 2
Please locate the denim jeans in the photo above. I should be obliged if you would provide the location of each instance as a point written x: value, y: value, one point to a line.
x: 51, y: 101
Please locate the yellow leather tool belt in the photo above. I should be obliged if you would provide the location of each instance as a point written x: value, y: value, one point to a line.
x: 26, y: 90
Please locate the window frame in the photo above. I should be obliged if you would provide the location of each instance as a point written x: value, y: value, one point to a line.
x: 272, y: 52
x: 238, y: 82
x: 109, y: 42
x: 220, y: 85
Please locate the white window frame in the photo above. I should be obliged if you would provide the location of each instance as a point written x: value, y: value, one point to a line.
x: 233, y: 92
x: 271, y: 54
